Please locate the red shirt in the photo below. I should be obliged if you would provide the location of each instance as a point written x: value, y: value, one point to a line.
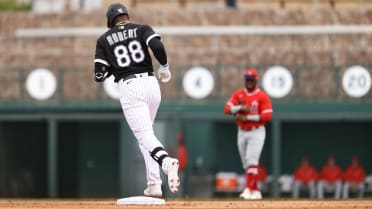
x: 306, y: 174
x: 259, y: 103
x: 331, y: 174
x: 182, y: 156
x: 355, y: 174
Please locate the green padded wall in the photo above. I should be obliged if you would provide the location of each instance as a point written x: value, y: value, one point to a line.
x: 88, y: 153
x: 318, y: 140
x: 24, y: 145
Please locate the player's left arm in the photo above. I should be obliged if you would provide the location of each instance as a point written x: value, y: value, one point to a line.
x: 266, y: 109
x: 101, y: 65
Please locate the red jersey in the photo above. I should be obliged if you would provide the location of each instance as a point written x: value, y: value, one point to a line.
x: 331, y: 174
x: 355, y: 174
x: 259, y: 103
x: 306, y: 174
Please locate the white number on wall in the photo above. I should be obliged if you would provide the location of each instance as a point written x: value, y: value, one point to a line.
x: 41, y: 84
x: 277, y: 81
x: 198, y: 82
x: 356, y: 81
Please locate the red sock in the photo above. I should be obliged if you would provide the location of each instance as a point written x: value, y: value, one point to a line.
x: 252, y: 177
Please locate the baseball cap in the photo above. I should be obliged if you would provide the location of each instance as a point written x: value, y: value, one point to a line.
x: 250, y: 74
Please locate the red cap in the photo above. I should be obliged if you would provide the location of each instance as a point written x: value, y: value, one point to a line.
x: 251, y: 74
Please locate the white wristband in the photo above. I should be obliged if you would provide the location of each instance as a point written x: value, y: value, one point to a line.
x: 235, y: 108
x: 256, y: 118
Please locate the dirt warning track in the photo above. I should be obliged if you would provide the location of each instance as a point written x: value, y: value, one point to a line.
x: 189, y: 204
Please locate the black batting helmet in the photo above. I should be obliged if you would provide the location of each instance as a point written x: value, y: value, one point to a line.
x: 113, y: 11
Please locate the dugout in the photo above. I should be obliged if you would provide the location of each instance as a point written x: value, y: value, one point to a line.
x: 93, y: 153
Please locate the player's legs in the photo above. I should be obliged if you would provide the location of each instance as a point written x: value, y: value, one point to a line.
x: 170, y: 165
x: 152, y: 174
x: 133, y: 99
x: 242, y: 147
x: 360, y: 189
x: 345, y: 190
x: 255, y: 142
x: 338, y: 188
x: 136, y: 97
x: 320, y: 188
x: 312, y: 189
x: 296, y: 189
x: 152, y: 168
x: 255, y: 139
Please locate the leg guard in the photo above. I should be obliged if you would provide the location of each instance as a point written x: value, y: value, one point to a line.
x: 158, y: 154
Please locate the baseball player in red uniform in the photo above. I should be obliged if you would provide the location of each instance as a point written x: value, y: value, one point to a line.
x: 354, y: 178
x: 305, y: 176
x: 252, y: 109
x: 123, y: 51
x: 330, y: 177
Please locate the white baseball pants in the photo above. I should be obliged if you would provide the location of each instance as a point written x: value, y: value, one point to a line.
x: 250, y: 145
x: 140, y: 99
x: 323, y: 185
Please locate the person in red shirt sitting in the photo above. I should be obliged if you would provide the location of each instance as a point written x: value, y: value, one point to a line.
x: 305, y: 177
x: 330, y: 178
x: 354, y: 178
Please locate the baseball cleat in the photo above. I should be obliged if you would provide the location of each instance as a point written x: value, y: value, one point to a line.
x: 153, y: 191
x: 172, y: 172
x: 246, y: 194
x: 256, y: 195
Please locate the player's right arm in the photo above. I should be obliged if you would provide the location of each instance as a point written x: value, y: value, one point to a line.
x: 101, y: 65
x: 233, y: 105
x: 158, y: 50
x: 153, y: 41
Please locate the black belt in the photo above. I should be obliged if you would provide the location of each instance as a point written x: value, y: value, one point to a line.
x: 139, y: 75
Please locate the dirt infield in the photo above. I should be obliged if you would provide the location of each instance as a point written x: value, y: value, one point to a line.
x: 189, y: 204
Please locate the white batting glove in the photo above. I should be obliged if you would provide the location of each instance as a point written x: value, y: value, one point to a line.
x: 164, y: 74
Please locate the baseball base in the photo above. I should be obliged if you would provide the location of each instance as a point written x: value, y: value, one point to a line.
x: 140, y: 200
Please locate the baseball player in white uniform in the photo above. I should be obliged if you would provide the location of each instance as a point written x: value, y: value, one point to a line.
x: 122, y: 51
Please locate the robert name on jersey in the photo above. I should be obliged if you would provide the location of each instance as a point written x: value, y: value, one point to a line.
x: 121, y: 35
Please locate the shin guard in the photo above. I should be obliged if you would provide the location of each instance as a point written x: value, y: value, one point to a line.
x: 158, y: 154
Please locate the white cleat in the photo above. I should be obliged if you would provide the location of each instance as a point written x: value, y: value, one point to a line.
x: 246, y: 194
x: 171, y: 169
x: 256, y: 195
x: 153, y: 191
